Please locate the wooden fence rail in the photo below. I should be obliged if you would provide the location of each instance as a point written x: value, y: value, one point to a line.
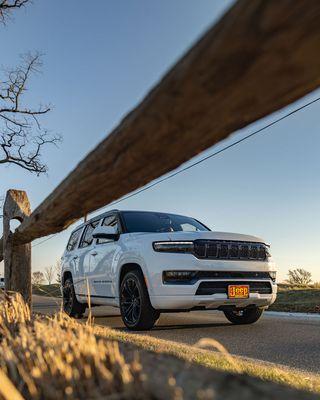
x: 261, y: 56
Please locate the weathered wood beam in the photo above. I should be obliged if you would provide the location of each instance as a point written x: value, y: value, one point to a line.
x: 17, y: 259
x: 261, y: 56
x: 1, y: 249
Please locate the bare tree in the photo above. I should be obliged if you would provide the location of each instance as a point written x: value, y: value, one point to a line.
x: 49, y: 273
x: 58, y: 272
x: 8, y: 6
x: 299, y: 277
x: 22, y: 137
x: 37, y: 278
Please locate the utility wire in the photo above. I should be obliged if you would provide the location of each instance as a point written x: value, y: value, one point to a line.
x: 45, y: 240
x: 180, y: 171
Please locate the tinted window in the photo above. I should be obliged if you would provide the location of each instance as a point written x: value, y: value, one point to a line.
x: 111, y: 220
x: 73, y: 240
x: 87, y: 238
x: 160, y: 222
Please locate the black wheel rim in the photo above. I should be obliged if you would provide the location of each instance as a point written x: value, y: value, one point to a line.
x: 67, y: 298
x: 130, y: 302
x: 238, y: 313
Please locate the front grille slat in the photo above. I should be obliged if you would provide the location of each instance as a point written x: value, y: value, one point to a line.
x: 253, y: 254
x: 223, y: 251
x: 244, y: 251
x: 234, y: 251
x: 212, y: 250
x: 216, y: 287
x: 200, y: 249
x: 229, y: 250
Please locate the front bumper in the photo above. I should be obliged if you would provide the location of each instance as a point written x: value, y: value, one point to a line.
x: 166, y: 296
x: 213, y: 301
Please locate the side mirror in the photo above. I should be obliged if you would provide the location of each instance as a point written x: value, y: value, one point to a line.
x: 105, y: 232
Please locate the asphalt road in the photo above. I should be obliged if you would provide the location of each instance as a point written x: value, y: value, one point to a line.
x: 287, y: 340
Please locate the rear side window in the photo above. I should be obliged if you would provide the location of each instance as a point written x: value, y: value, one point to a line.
x: 73, y: 240
x: 87, y: 238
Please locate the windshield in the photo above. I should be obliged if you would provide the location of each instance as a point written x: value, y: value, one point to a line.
x: 136, y: 221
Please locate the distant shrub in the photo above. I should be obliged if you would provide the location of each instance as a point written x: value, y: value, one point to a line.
x: 299, y: 277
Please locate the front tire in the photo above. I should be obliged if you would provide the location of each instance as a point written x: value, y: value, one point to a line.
x: 71, y: 306
x: 136, y: 310
x: 244, y: 316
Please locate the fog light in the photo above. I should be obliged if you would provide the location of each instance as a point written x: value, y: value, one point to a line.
x: 178, y: 276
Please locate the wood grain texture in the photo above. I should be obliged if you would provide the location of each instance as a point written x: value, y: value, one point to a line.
x: 17, y: 259
x: 261, y: 56
x: 1, y: 249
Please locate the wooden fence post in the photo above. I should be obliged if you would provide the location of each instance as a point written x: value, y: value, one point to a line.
x: 17, y: 259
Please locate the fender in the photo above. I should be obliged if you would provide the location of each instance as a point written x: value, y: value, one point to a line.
x: 133, y: 259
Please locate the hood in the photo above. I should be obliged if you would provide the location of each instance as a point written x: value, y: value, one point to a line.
x: 203, y: 235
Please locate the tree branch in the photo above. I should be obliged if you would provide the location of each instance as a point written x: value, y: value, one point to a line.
x: 22, y: 137
x: 8, y: 6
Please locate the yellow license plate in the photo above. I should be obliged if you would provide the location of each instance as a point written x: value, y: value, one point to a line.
x: 238, y: 291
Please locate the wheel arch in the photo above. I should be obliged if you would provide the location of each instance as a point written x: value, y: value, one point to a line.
x: 127, y: 267
x: 66, y: 274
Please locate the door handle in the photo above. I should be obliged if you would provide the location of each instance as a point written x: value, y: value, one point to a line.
x: 75, y: 257
x: 94, y: 253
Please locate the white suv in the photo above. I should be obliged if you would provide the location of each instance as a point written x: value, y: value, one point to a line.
x: 151, y: 262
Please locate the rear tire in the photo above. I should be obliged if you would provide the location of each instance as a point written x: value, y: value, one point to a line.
x: 71, y: 306
x: 244, y: 316
x: 136, y: 310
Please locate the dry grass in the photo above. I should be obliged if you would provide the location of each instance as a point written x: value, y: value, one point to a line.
x: 217, y: 360
x: 53, y: 290
x: 59, y: 358
x: 316, y: 285
x: 297, y: 299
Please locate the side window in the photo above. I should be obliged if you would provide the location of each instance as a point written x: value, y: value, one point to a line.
x: 73, y: 240
x: 111, y: 220
x: 87, y: 238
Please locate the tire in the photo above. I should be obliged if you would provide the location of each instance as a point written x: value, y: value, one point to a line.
x: 244, y: 316
x: 136, y: 310
x: 71, y: 306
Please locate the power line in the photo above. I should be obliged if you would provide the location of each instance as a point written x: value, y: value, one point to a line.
x: 180, y: 171
x: 45, y: 240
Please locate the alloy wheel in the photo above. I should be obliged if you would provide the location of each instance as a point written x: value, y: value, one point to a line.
x: 67, y: 297
x: 131, y: 301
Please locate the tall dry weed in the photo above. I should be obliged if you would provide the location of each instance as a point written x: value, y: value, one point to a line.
x: 59, y: 358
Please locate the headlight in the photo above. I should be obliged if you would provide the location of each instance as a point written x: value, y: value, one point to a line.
x: 174, y: 247
x: 273, y: 275
x: 185, y: 277
x: 267, y: 250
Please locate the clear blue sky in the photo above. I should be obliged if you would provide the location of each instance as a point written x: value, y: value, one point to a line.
x: 100, y: 60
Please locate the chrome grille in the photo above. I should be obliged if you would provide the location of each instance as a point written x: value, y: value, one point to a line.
x: 230, y: 250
